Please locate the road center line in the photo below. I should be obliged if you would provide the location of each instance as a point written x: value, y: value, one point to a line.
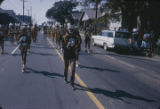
x: 89, y: 93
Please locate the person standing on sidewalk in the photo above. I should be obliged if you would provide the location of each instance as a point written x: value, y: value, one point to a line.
x: 69, y: 47
x: 1, y: 40
x: 158, y: 45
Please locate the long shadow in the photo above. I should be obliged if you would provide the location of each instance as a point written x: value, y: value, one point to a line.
x: 16, y: 55
x: 126, y: 56
x: 123, y: 55
x: 97, y: 53
x: 5, y: 53
x: 97, y: 68
x: 82, y: 52
x: 118, y: 94
x: 11, y: 45
x: 42, y: 47
x: 42, y: 54
x: 45, y: 73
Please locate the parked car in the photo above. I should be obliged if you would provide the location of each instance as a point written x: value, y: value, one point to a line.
x: 104, y: 39
x: 123, y: 40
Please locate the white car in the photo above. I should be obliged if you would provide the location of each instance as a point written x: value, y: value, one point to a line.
x: 105, y: 39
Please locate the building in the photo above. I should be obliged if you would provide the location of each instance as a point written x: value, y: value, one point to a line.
x: 27, y: 19
x: 90, y: 14
x: 7, y: 16
x: 77, y: 16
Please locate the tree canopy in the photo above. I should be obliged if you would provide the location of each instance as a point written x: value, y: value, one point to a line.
x: 146, y: 10
x: 1, y: 1
x: 61, y: 11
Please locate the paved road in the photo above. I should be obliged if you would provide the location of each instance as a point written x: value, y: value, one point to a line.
x: 104, y: 79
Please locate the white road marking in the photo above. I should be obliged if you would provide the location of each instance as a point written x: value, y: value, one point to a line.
x: 15, y: 49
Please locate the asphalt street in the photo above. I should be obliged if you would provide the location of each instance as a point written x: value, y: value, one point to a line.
x: 105, y: 79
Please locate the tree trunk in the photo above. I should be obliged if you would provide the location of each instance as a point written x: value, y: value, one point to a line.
x: 96, y: 17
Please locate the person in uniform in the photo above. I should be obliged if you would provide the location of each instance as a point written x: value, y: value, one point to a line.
x: 69, y: 52
x: 87, y: 40
x: 35, y: 33
x: 29, y: 38
x: 23, y: 41
x: 78, y: 46
x: 57, y: 34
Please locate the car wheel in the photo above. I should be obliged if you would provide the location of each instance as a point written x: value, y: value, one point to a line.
x: 105, y: 47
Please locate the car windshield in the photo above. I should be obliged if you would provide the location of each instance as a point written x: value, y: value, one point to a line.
x: 108, y: 34
x: 123, y: 35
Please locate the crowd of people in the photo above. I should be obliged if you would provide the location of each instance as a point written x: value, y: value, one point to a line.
x: 147, y: 41
x: 67, y: 40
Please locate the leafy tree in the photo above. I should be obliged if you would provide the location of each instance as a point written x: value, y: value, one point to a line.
x: 61, y: 11
x: 131, y: 9
x: 126, y: 8
x: 1, y: 1
x: 96, y: 2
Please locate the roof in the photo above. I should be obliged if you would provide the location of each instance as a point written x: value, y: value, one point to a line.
x: 77, y: 15
x: 27, y: 19
x: 9, y: 12
x: 91, y: 14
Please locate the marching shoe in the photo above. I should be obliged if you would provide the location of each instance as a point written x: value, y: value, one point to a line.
x: 23, y: 68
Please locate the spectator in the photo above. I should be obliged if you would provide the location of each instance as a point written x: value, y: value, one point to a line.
x: 158, y: 45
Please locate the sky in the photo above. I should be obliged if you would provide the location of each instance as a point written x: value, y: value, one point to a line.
x: 39, y: 8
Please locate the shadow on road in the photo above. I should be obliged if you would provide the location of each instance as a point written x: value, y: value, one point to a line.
x: 42, y: 54
x: 17, y: 54
x: 125, y: 55
x: 97, y: 68
x: 118, y: 94
x: 5, y: 53
x: 45, y: 73
x: 40, y: 47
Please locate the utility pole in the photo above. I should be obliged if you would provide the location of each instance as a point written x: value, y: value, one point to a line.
x: 28, y: 17
x: 96, y: 16
x: 31, y: 14
x: 23, y: 10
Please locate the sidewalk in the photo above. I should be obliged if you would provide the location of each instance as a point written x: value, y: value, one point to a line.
x: 154, y: 58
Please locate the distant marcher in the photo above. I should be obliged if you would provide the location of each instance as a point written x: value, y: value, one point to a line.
x: 29, y: 38
x: 87, y: 40
x: 35, y: 33
x: 79, y: 41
